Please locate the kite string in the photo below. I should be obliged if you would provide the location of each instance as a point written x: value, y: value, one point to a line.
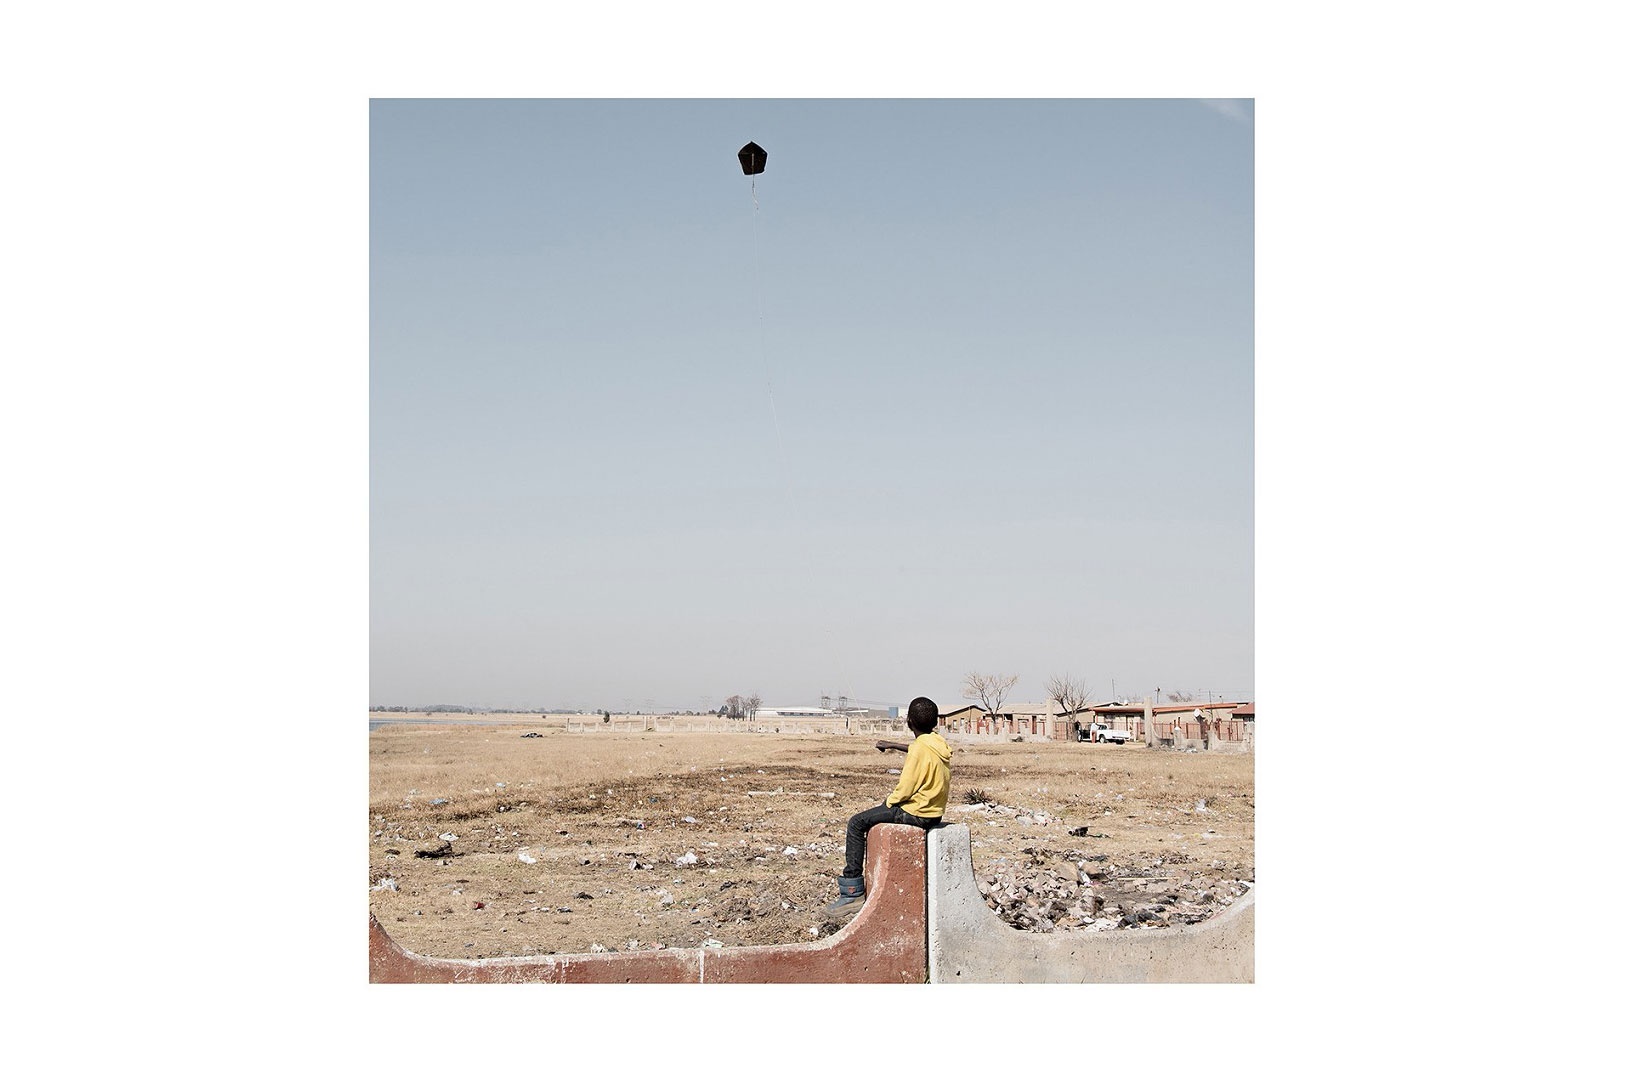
x: 778, y: 432
x: 761, y: 343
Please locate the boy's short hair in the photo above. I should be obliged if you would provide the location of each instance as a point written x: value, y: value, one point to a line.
x: 922, y: 715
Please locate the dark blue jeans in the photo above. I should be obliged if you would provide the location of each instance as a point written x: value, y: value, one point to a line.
x: 857, y: 833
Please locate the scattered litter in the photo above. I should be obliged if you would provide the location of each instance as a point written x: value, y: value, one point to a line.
x: 447, y: 837
x: 386, y: 884
x: 790, y: 851
x: 710, y: 942
x: 690, y: 820
x: 688, y: 859
x: 527, y: 859
x: 597, y: 947
x: 438, y: 801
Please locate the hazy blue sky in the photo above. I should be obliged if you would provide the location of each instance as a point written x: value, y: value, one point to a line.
x: 971, y: 390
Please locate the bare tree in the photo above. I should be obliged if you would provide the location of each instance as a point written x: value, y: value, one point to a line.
x: 735, y: 706
x: 1070, y: 695
x: 987, y: 690
x: 751, y: 703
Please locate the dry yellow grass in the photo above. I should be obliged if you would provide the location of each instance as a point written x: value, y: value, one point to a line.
x: 569, y: 841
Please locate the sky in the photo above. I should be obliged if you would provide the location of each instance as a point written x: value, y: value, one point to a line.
x: 956, y: 385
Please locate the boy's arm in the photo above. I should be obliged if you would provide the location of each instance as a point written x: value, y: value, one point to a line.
x: 908, y: 782
x: 892, y: 746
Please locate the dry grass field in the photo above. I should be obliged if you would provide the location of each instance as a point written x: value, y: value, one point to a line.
x: 578, y: 842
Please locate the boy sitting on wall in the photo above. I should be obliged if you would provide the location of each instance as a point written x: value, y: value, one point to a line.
x: 918, y: 800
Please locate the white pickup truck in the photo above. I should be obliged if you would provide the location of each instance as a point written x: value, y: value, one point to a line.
x: 1102, y: 731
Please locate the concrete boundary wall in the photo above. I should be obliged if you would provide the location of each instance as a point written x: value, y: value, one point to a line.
x: 884, y: 942
x: 967, y: 942
x: 925, y: 920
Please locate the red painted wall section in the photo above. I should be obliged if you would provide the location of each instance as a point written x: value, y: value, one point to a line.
x: 884, y: 943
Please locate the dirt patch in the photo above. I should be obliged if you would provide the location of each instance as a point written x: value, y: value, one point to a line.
x: 575, y: 842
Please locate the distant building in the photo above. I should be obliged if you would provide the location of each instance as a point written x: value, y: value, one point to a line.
x: 1183, y: 725
x: 1117, y: 715
x: 1011, y: 720
x: 1180, y: 725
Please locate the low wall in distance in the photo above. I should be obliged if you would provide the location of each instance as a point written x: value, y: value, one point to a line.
x: 884, y: 942
x: 967, y: 942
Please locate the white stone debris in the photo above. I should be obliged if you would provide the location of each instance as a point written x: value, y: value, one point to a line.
x: 1062, y: 895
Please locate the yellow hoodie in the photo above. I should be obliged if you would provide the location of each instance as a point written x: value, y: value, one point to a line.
x: 923, y: 788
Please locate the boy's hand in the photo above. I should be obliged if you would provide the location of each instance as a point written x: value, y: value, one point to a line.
x: 891, y: 746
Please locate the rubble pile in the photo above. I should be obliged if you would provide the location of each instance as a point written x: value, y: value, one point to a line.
x: 1053, y: 893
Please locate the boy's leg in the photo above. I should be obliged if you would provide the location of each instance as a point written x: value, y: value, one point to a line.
x: 857, y: 834
x: 850, y: 882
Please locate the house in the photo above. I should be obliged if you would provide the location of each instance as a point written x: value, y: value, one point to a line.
x: 1172, y: 725
x: 1011, y: 720
x: 1116, y: 715
x: 959, y: 718
x: 1182, y: 725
